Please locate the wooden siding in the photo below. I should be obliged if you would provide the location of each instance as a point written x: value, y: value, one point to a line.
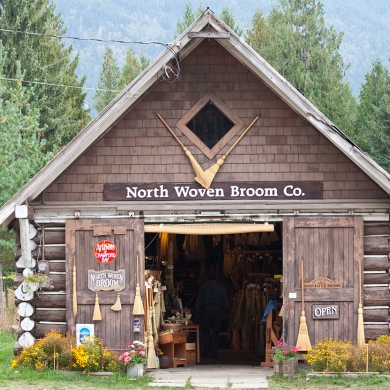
x: 280, y: 147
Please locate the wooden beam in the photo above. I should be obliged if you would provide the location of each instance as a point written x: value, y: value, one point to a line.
x: 211, y: 34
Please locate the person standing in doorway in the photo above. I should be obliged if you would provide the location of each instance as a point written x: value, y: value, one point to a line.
x: 212, y: 305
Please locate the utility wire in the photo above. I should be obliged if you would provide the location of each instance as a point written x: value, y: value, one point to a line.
x: 171, y: 74
x: 84, y: 39
x: 64, y: 85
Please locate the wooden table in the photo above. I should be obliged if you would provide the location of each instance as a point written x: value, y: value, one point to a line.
x: 193, y: 328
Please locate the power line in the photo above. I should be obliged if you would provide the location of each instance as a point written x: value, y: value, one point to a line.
x: 84, y: 39
x: 66, y: 86
x: 171, y: 74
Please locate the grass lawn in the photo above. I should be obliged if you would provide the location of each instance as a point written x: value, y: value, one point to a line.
x: 301, y: 381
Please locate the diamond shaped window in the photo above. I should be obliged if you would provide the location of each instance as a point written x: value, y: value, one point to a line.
x: 210, y: 124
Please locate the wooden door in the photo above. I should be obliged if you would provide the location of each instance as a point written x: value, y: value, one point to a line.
x: 116, y: 327
x: 330, y: 248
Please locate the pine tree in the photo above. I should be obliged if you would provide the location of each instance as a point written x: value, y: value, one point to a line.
x: 133, y: 67
x: 293, y: 38
x: 110, y: 79
x: 229, y: 19
x: 189, y: 17
x: 44, y: 59
x: 373, y: 120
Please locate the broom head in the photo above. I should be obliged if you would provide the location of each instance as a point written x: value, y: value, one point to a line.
x: 152, y: 358
x: 195, y: 165
x: 303, y: 340
x: 138, y: 308
x: 360, y: 331
x: 208, y: 175
x: 117, y: 305
x: 97, y: 315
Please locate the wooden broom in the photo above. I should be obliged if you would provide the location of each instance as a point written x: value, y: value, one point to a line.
x: 97, y: 315
x: 138, y: 308
x: 207, y: 176
x: 303, y: 340
x: 360, y: 329
x: 74, y: 288
x: 197, y: 169
x: 117, y: 306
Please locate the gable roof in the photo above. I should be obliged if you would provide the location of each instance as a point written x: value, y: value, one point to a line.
x: 208, y: 25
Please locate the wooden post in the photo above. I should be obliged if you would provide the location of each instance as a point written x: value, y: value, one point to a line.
x: 25, y: 241
x: 270, y: 338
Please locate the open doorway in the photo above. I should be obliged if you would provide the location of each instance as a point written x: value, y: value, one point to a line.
x: 249, y: 265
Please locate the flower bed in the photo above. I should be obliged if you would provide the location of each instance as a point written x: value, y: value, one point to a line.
x: 59, y: 352
x: 339, y: 356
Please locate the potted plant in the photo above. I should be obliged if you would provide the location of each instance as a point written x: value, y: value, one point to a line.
x: 37, y: 281
x: 134, y: 358
x: 285, y: 358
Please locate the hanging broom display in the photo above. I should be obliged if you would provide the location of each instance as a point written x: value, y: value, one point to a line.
x: 97, y: 315
x: 138, y: 308
x: 207, y: 177
x: 197, y: 169
x: 74, y: 288
x: 117, y: 306
x: 360, y: 329
x: 303, y: 340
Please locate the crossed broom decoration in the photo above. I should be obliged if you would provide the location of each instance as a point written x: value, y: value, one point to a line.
x: 205, y: 178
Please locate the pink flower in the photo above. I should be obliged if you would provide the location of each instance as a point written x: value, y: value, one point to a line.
x: 286, y: 351
x: 293, y: 349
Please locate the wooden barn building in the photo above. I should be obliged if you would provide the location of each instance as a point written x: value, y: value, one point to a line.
x: 209, y: 159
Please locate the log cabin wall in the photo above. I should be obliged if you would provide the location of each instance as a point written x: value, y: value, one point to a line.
x: 376, y: 280
x: 45, y: 310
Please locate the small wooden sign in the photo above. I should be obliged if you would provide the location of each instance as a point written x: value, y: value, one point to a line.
x: 106, y: 280
x: 105, y: 251
x: 326, y: 312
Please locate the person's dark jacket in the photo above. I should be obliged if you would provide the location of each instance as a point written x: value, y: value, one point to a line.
x: 212, y: 294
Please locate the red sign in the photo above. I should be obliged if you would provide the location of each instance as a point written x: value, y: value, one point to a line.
x: 105, y: 251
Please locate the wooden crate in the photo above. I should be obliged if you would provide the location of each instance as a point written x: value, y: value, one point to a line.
x: 191, y: 353
x: 191, y: 357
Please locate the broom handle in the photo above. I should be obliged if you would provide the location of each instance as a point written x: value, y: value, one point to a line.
x: 136, y: 268
x: 74, y: 287
x: 167, y: 126
x: 303, y: 293
x: 360, y: 281
x: 246, y: 130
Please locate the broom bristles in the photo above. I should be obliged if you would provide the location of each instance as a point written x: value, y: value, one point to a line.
x: 360, y: 332
x: 117, y: 305
x: 97, y: 315
x: 195, y: 165
x: 303, y: 340
x: 152, y: 358
x: 138, y: 308
x: 208, y: 175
